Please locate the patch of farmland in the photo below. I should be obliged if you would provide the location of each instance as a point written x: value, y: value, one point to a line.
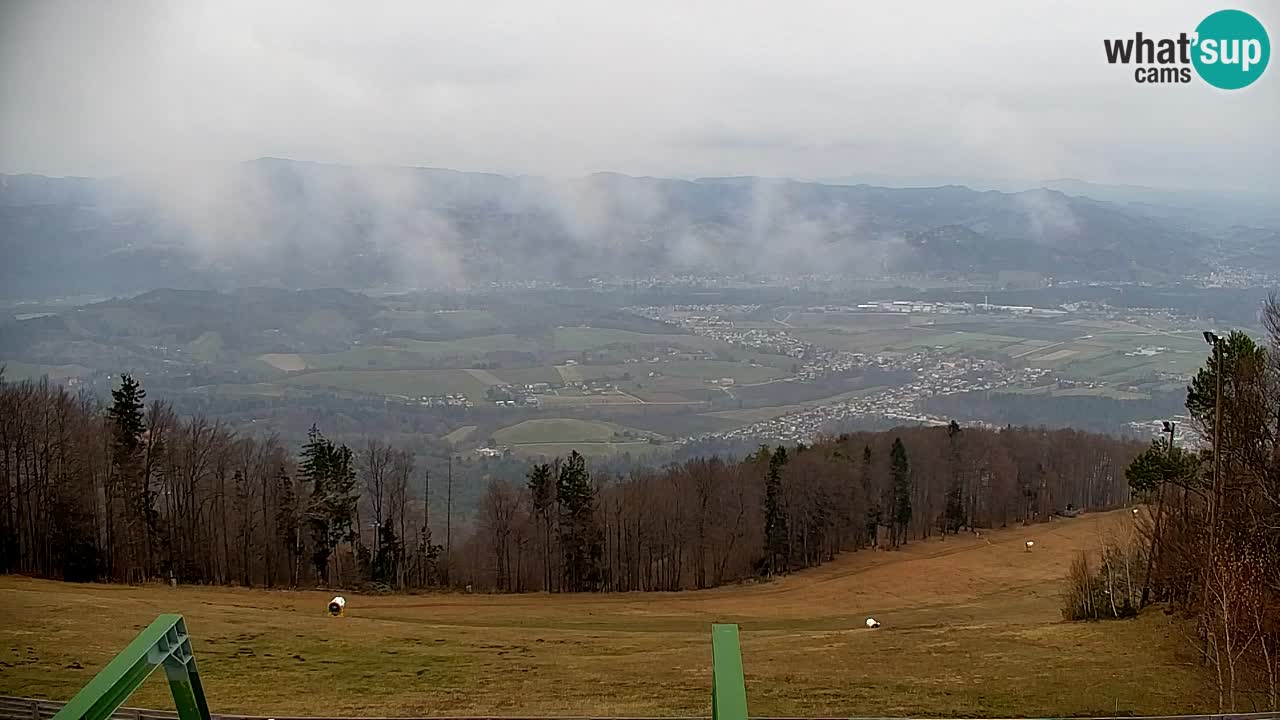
x: 378, y: 357
x: 472, y: 346
x: 1055, y: 355
x: 851, y: 321
x: 289, y: 362
x: 207, y: 347
x: 682, y: 424
x: 868, y: 342
x: 752, y: 415
x: 32, y: 371
x: 529, y: 376
x: 407, y: 384
x: 405, y: 354
x: 741, y: 373
x: 570, y: 374
x: 1114, y: 393
x: 589, y: 450
x: 1102, y: 366
x: 470, y: 321
x: 572, y: 400
x: 960, y: 341
x: 460, y: 435
x: 577, y: 339
x: 659, y: 396
x: 563, y: 430
x: 484, y: 376
x: 1046, y: 331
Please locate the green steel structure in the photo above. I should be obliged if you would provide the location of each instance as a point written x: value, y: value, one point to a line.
x: 165, y: 642
x: 728, y: 688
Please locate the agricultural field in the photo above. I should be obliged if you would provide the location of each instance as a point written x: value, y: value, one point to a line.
x: 460, y: 435
x: 407, y: 384
x: 440, y: 322
x: 289, y: 362
x: 568, y: 399
x: 1108, y: 392
x: 971, y: 627
x: 528, y: 376
x: 589, y: 450
x: 1116, y: 352
x: 565, y: 431
x: 313, y: 348
x: 28, y: 371
x: 578, y: 339
x: 408, y: 354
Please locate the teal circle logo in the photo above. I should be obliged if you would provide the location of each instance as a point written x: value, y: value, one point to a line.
x: 1231, y: 49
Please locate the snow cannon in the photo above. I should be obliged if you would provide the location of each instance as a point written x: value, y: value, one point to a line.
x: 337, y: 605
x: 872, y: 623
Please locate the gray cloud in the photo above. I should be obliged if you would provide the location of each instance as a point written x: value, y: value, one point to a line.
x: 996, y: 88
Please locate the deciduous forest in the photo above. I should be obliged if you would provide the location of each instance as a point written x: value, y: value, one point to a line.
x: 131, y: 492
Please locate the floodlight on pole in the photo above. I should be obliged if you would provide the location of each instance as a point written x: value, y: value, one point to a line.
x: 1169, y: 427
x: 1215, y: 499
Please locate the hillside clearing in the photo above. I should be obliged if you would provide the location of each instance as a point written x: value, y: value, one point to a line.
x: 971, y: 627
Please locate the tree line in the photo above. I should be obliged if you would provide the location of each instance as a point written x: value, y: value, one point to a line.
x: 128, y: 491
x: 710, y: 521
x: 131, y: 492
x: 1210, y: 547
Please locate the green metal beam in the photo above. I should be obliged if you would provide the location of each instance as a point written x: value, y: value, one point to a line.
x: 728, y: 688
x: 164, y: 642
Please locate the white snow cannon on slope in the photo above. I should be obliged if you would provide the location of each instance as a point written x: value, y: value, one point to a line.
x: 337, y: 605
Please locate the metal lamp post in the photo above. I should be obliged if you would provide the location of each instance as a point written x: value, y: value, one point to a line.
x: 1215, y: 498
x: 1169, y: 427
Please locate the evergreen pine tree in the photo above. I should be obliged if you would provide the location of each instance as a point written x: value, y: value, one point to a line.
x: 126, y: 415
x: 331, y: 508
x: 580, y: 539
x: 953, y: 512
x: 900, y: 470
x: 775, y: 520
x: 128, y: 484
x: 875, y: 511
x: 542, y: 489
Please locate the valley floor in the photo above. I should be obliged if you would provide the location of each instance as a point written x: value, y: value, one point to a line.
x: 971, y: 626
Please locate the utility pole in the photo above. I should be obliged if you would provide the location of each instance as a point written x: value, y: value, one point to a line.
x: 1169, y: 427
x: 1215, y: 499
x: 1217, y: 429
x: 426, y: 523
x: 448, y: 521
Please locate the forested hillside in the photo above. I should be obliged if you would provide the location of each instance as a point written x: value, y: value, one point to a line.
x: 1210, y: 549
x: 132, y: 492
x: 302, y: 224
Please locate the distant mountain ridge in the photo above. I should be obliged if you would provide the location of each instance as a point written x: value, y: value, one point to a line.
x: 291, y: 223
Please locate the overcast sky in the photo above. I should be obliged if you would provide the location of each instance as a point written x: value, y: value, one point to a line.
x: 979, y: 89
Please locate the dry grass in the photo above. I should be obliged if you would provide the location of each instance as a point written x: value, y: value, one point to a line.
x: 971, y: 627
